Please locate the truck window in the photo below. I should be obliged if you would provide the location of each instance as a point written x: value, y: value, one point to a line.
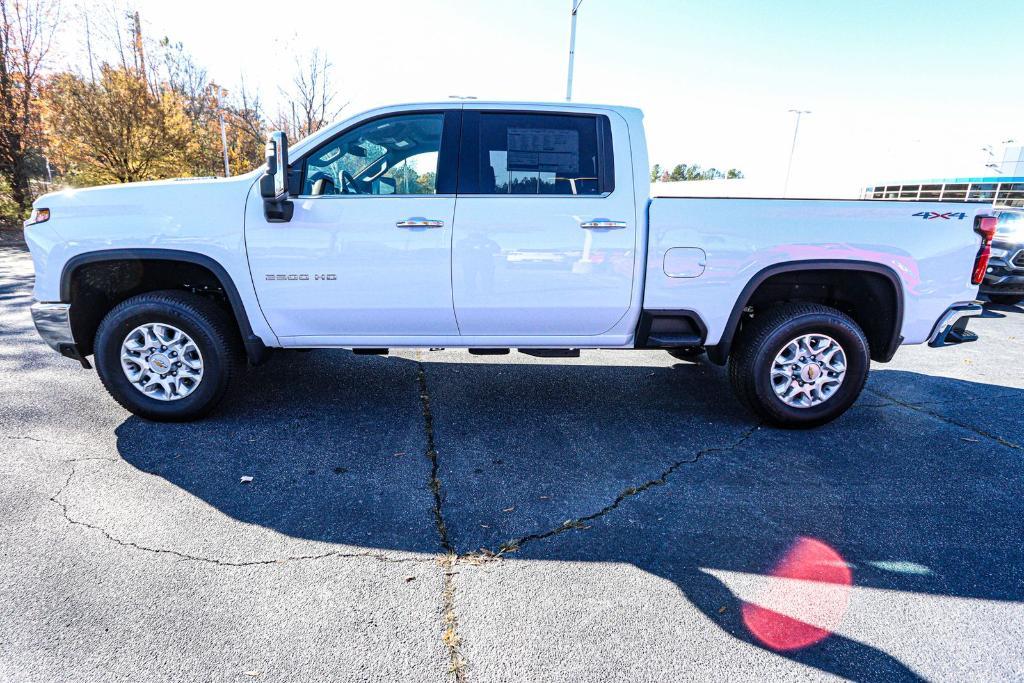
x: 524, y: 153
x: 393, y: 155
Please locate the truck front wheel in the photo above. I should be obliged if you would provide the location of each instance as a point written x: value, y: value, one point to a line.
x: 800, y: 365
x: 167, y: 356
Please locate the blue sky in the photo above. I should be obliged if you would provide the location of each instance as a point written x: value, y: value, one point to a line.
x: 897, y: 89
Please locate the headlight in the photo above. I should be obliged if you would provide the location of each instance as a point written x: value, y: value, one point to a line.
x: 999, y: 253
x: 38, y: 216
x: 1011, y: 226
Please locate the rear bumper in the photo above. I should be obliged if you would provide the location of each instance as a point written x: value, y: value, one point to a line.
x: 53, y: 323
x: 951, y: 328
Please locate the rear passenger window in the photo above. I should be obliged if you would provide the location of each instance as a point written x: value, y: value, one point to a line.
x: 543, y: 154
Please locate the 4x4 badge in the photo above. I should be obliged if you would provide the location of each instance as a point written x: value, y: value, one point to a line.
x: 931, y: 215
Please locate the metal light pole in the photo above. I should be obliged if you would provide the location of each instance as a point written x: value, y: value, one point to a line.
x: 792, y: 150
x: 572, y: 48
x: 223, y: 133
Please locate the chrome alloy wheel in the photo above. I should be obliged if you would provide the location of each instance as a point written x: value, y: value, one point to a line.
x: 808, y: 370
x: 161, y: 361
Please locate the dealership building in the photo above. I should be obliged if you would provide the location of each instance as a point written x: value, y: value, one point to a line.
x: 1005, y: 191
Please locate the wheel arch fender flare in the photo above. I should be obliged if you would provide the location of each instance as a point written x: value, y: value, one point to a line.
x: 719, y: 353
x: 255, y: 349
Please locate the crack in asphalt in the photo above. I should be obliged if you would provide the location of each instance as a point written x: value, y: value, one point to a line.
x: 431, y: 453
x: 449, y: 618
x: 581, y: 522
x: 920, y: 408
x: 56, y: 499
x: 452, y: 559
x: 18, y: 437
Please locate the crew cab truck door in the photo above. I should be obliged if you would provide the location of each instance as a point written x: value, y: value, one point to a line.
x: 545, y: 224
x: 368, y: 249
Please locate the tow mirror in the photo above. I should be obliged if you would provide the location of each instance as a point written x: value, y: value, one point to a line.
x: 274, y: 183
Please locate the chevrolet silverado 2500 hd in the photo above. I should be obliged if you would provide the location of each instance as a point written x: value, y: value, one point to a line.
x: 491, y: 226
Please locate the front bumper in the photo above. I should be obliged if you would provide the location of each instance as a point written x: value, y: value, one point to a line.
x: 1005, y: 273
x: 951, y: 328
x: 53, y: 323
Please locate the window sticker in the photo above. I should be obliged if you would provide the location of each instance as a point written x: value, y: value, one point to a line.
x: 555, y: 150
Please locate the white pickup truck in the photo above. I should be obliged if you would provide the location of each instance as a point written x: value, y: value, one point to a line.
x: 492, y: 226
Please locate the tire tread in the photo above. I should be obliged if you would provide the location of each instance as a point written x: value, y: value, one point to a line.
x: 742, y: 361
x: 220, y: 326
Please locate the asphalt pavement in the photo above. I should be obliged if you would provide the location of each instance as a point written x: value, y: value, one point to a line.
x: 433, y: 516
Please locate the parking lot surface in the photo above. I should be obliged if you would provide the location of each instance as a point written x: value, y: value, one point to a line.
x: 433, y: 515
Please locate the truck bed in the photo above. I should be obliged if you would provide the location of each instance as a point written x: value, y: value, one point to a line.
x: 704, y: 252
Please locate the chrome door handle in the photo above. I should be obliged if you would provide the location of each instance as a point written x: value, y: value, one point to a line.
x: 604, y: 225
x: 419, y: 223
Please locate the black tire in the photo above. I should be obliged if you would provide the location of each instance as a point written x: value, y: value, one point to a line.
x: 212, y: 330
x: 690, y: 353
x: 764, y: 338
x: 1006, y: 299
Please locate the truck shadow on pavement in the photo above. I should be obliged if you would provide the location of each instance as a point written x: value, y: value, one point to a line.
x: 649, y: 465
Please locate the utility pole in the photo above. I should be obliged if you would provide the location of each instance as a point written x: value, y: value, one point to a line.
x: 792, y: 150
x: 88, y: 49
x: 572, y: 48
x: 140, y: 59
x: 223, y: 132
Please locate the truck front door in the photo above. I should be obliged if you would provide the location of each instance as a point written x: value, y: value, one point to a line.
x: 367, y: 252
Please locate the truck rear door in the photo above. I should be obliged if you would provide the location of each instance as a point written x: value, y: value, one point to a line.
x: 545, y: 228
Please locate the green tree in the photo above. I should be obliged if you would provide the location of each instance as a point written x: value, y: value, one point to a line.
x: 656, y: 173
x: 682, y: 172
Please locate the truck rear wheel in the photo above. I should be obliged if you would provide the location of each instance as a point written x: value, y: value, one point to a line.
x: 167, y: 356
x: 800, y: 365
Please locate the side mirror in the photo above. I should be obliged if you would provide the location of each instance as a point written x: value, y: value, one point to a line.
x: 274, y: 183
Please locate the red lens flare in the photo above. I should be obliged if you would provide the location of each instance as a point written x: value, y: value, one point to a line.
x: 808, y: 560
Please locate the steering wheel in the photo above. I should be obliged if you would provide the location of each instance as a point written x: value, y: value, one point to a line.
x: 348, y: 183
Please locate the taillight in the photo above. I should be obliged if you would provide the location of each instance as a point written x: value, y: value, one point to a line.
x: 986, y: 227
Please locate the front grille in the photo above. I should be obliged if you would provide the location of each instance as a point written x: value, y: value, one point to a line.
x: 1018, y: 259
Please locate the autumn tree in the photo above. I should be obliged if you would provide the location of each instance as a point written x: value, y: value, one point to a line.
x: 27, y: 29
x: 174, y: 69
x: 312, y: 98
x: 153, y: 111
x: 247, y: 129
x: 117, y: 130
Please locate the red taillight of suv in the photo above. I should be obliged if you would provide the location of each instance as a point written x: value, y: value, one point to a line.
x: 986, y: 227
